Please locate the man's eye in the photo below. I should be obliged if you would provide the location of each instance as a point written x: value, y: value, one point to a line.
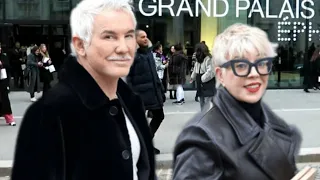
x: 130, y: 36
x: 109, y: 37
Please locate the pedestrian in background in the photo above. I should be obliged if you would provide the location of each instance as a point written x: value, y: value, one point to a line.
x: 5, y: 105
x: 32, y: 72
x: 203, y: 74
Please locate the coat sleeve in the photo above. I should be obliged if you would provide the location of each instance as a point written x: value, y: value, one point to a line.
x: 196, y: 156
x: 31, y: 61
x: 209, y: 74
x: 5, y: 61
x: 36, y: 146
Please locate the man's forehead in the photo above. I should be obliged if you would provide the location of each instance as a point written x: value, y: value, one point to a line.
x: 142, y: 33
x: 109, y: 22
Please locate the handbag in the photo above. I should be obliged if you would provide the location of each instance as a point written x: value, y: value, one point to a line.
x: 205, y: 89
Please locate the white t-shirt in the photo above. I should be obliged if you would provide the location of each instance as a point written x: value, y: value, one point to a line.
x: 135, y: 146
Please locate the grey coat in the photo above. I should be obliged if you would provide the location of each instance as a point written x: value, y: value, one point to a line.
x: 224, y: 142
x: 33, y: 74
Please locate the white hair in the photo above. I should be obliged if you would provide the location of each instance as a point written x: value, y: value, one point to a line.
x: 237, y: 40
x: 82, y: 17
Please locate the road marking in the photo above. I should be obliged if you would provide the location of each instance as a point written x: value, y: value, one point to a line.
x: 276, y: 110
x: 194, y: 112
x: 303, y: 151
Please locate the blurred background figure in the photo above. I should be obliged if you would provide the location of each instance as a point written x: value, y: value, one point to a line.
x: 5, y: 105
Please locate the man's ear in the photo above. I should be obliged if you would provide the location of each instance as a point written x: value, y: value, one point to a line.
x: 219, y: 76
x: 78, y: 45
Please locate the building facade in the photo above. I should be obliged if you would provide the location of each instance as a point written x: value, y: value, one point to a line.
x: 293, y: 24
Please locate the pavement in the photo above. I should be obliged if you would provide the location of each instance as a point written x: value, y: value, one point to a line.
x: 294, y: 106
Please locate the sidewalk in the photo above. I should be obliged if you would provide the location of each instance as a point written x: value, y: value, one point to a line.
x: 166, y: 174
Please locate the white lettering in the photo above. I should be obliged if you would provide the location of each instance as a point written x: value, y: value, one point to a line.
x: 206, y: 11
x: 297, y: 9
x: 268, y: 15
x: 152, y: 13
x: 284, y: 10
x: 303, y: 5
x: 169, y: 7
x: 259, y: 10
x: 188, y: 8
x: 215, y: 14
x: 238, y: 8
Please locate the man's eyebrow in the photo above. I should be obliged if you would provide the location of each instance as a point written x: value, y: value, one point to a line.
x: 113, y: 32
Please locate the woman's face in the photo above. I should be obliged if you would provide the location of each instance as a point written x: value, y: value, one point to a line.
x: 248, y: 89
x: 160, y: 50
x: 44, y: 49
x: 37, y: 51
x: 172, y: 49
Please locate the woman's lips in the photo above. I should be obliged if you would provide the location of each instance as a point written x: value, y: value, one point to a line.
x: 253, y: 87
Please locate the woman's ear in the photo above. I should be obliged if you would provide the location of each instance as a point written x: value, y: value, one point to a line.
x: 219, y: 75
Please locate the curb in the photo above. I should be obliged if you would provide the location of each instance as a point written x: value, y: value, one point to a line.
x: 164, y: 161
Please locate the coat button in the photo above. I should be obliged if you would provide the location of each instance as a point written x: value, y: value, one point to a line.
x: 125, y: 154
x: 113, y: 111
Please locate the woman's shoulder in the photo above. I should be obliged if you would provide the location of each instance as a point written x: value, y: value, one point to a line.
x: 206, y: 120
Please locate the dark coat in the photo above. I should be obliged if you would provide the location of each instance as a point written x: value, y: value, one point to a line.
x: 5, y: 105
x: 177, y: 68
x: 76, y: 132
x: 226, y: 143
x: 33, y: 77
x: 144, y: 80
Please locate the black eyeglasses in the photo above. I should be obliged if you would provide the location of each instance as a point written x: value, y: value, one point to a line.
x: 242, y: 67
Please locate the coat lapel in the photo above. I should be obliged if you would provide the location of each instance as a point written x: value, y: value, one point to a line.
x: 270, y: 158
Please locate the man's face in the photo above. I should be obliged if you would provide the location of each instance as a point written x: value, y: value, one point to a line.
x: 17, y: 45
x: 142, y: 39
x: 113, y: 44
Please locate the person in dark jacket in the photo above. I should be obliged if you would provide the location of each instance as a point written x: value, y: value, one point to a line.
x: 177, y: 72
x: 33, y: 73
x: 237, y: 136
x: 5, y: 105
x: 144, y: 80
x: 90, y: 125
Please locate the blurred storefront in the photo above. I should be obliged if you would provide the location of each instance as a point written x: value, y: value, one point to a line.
x: 47, y: 21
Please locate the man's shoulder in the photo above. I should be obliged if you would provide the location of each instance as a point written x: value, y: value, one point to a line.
x: 60, y: 97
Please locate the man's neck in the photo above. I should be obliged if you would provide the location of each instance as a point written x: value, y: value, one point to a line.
x: 107, y: 84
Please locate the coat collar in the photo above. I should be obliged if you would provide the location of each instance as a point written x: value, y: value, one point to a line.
x: 91, y: 95
x: 242, y: 123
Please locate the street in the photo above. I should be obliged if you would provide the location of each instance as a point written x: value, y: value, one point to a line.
x: 295, y: 106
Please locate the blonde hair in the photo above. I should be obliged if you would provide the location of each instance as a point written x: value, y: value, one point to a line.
x: 238, y: 39
x: 44, y: 54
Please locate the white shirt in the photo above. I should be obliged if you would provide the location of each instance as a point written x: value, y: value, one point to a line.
x: 135, y: 146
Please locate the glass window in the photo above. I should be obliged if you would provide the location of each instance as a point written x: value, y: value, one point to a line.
x: 1, y: 9
x: 37, y: 9
x: 297, y: 38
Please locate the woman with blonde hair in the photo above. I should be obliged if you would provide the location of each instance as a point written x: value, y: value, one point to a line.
x: 237, y: 136
x: 45, y: 75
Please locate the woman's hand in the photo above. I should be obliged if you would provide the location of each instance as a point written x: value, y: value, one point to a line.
x: 40, y: 64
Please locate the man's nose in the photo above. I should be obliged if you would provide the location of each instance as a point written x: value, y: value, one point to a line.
x: 122, y: 46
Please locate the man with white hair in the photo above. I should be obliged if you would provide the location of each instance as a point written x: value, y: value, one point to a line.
x: 90, y: 125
